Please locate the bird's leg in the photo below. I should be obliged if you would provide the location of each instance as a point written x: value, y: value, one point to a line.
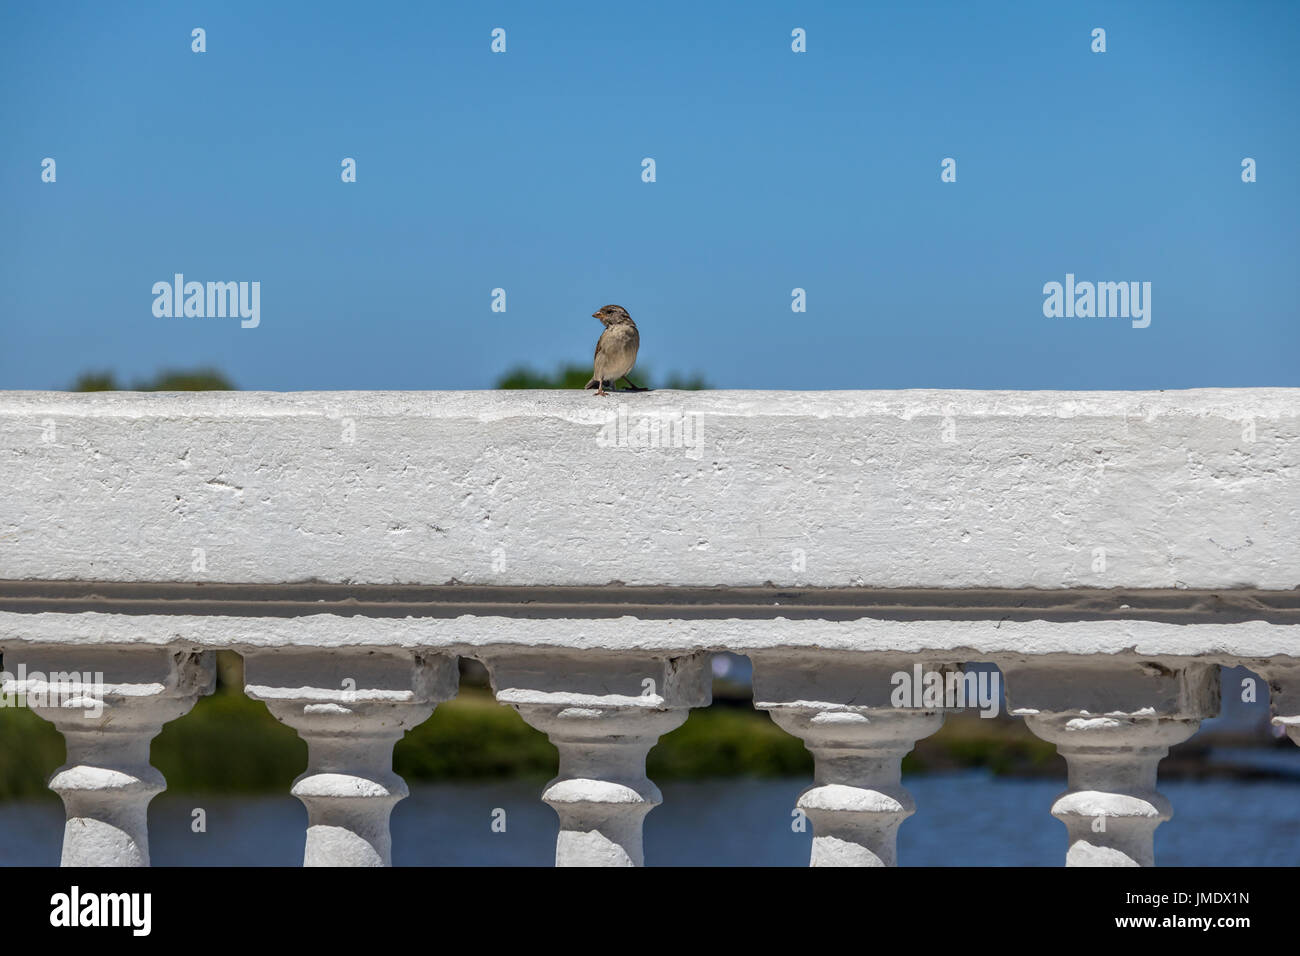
x: 600, y: 388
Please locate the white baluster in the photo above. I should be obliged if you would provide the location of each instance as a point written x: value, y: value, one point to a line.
x: 108, y: 703
x: 1113, y: 724
x: 841, y: 707
x: 350, y: 706
x: 603, y: 713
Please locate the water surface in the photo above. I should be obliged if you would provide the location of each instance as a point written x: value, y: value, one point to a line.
x: 962, y: 819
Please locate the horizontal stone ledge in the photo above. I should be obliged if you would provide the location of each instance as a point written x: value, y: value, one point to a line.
x: 476, y: 635
x: 879, y: 489
x: 1184, y: 606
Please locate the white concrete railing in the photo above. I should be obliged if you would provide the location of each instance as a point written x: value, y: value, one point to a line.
x: 1107, y: 551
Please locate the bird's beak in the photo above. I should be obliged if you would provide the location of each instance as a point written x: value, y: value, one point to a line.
x: 595, y: 315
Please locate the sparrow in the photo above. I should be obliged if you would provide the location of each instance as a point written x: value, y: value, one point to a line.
x: 616, y: 350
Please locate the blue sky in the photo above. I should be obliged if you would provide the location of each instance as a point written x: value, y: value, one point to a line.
x: 775, y: 170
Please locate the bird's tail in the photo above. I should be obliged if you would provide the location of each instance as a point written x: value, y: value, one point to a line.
x: 594, y: 383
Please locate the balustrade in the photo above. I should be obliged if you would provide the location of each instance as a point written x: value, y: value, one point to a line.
x: 1107, y: 553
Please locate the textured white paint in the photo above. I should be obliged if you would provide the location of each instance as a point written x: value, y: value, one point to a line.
x: 521, y: 488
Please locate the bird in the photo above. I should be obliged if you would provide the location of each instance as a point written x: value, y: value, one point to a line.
x: 616, y: 350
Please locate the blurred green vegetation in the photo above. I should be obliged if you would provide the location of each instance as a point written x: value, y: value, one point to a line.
x: 30, y: 750
x: 193, y: 380
x: 209, y: 379
x: 576, y: 376
x: 231, y: 744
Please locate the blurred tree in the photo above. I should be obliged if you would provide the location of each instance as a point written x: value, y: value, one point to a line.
x: 198, y: 380
x: 576, y: 376
x: 95, y: 382
x: 685, y: 384
x: 566, y: 376
x: 194, y: 380
x: 208, y: 380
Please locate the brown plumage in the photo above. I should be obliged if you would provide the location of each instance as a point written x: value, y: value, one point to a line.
x: 617, y: 348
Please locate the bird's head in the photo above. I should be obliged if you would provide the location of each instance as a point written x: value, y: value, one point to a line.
x: 612, y: 315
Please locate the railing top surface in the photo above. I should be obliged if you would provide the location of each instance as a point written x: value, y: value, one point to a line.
x: 939, y: 489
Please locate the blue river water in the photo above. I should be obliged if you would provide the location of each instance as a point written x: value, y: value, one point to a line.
x: 962, y: 819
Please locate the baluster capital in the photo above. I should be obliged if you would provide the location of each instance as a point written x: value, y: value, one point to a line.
x: 1284, y: 695
x: 1113, y: 722
x: 850, y: 714
x: 108, y: 703
x: 603, y: 712
x: 350, y: 706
